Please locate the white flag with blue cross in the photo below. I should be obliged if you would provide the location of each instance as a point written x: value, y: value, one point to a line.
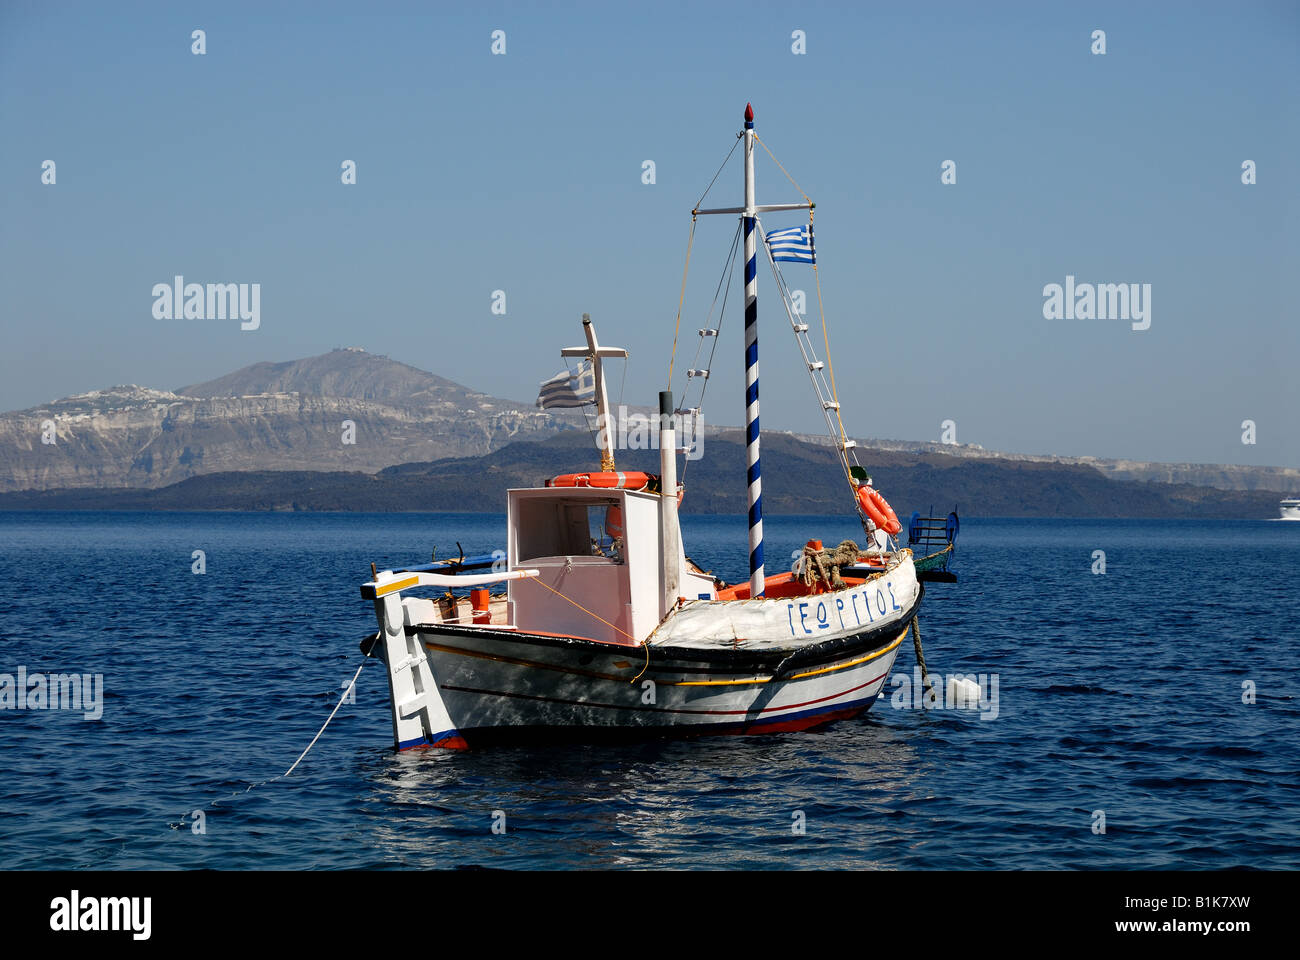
x: 567, y: 389
x: 792, y: 244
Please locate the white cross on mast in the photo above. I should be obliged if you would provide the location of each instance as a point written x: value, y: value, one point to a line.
x: 594, y: 352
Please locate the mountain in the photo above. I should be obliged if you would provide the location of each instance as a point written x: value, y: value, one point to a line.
x: 798, y: 477
x: 268, y: 416
x: 291, y: 416
x: 349, y: 372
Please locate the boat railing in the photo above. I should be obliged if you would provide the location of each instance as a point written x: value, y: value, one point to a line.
x: 933, y: 541
x: 478, y: 608
x: 389, y: 581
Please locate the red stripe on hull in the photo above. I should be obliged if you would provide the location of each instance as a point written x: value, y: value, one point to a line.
x: 449, y: 743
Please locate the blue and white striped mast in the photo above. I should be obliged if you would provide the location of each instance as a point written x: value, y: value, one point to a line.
x: 754, y: 474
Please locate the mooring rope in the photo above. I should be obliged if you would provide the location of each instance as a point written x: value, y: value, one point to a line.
x: 262, y: 783
x: 325, y: 724
x: 920, y: 655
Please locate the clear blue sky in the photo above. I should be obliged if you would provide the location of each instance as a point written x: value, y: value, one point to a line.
x: 523, y: 172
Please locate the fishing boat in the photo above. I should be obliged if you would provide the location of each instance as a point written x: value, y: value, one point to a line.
x: 606, y: 628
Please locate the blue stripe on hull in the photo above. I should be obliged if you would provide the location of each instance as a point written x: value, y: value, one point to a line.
x: 436, y: 739
x: 804, y: 714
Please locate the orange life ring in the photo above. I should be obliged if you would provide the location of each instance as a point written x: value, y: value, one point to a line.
x: 614, y: 522
x: 614, y: 518
x: 878, y: 509
x: 609, y: 480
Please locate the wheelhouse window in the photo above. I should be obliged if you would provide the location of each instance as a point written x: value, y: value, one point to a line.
x: 567, y: 528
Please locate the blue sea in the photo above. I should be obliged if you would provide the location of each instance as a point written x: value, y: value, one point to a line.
x: 1146, y: 717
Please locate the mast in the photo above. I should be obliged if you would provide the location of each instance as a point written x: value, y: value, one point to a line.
x: 669, y: 531
x: 596, y: 354
x: 749, y: 219
x: 754, y: 473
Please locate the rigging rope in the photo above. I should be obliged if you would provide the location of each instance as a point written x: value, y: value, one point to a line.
x: 842, y: 452
x: 586, y: 412
x: 830, y: 364
x: 728, y: 274
x: 843, y: 441
x: 821, y: 310
x: 739, y: 137
x: 689, y: 243
x: 642, y: 643
x: 581, y: 607
x: 783, y: 169
x: 682, y: 299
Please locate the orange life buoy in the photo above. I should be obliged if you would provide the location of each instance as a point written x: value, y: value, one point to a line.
x: 610, y: 480
x: 614, y: 522
x: 614, y: 518
x: 878, y: 509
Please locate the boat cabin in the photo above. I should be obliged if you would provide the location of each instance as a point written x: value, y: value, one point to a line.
x: 600, y: 556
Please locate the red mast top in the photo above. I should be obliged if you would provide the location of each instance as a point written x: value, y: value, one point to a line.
x: 749, y: 113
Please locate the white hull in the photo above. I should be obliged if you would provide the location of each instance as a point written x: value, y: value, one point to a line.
x: 744, y: 666
x: 519, y: 689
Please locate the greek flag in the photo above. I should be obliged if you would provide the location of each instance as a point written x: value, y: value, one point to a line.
x: 794, y: 244
x: 567, y: 389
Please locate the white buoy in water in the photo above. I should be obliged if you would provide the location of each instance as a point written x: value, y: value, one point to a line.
x: 965, y: 691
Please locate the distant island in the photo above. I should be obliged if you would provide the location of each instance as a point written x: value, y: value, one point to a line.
x: 799, y: 478
x: 269, y: 437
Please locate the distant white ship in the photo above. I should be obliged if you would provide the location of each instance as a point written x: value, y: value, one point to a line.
x: 1290, y: 509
